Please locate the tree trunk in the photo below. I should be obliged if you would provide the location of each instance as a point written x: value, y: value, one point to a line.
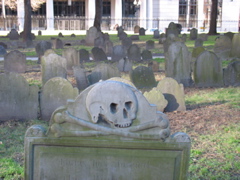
x: 213, y: 20
x: 27, y: 36
x: 98, y: 15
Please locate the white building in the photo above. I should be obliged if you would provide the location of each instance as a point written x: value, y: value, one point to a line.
x: 79, y: 14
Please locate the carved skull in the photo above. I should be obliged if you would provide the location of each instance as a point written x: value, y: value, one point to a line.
x: 114, y: 101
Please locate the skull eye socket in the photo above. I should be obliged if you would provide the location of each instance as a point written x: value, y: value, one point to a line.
x: 128, y: 105
x: 113, y: 108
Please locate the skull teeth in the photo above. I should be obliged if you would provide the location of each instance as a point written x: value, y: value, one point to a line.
x: 123, y: 125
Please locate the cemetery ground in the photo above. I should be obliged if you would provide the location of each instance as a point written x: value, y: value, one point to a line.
x: 212, y: 120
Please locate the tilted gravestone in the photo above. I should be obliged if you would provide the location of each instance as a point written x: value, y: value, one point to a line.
x: 178, y: 63
x: 143, y: 77
x: 124, y: 65
x: 208, y: 70
x: 53, y: 65
x: 173, y: 93
x: 81, y: 77
x: 133, y: 53
x: 18, y: 100
x: 156, y: 97
x: 235, y: 52
x: 117, y: 135
x: 55, y: 93
x: 150, y: 44
x: 118, y: 53
x: 41, y: 47
x: 222, y: 47
x: 84, y: 55
x: 193, y: 34
x: 231, y: 74
x: 99, y: 54
x: 72, y: 57
x: 15, y: 61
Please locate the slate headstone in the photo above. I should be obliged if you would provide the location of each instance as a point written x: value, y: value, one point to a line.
x: 41, y: 47
x: 146, y: 55
x: 118, y: 53
x: 231, y: 74
x: 125, y: 65
x: 133, y: 53
x: 142, y: 31
x: 72, y: 57
x: 222, y: 47
x: 15, y: 61
x: 150, y: 44
x: 84, y: 55
x: 81, y: 77
x: 57, y: 43
x: 193, y: 34
x: 98, y: 54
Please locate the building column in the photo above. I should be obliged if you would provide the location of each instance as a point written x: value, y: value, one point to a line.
x: 200, y: 15
x: 143, y: 14
x: 20, y: 14
x: 188, y: 13
x: 150, y: 14
x: 50, y: 14
x: 116, y: 12
x: 90, y: 13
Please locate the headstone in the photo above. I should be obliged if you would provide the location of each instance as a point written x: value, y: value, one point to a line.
x: 52, y: 66
x: 84, y: 55
x: 2, y: 50
x: 127, y: 42
x: 87, y: 139
x: 178, y: 63
x: 146, y: 55
x: 198, y: 43
x: 60, y: 35
x: 109, y: 47
x: 13, y: 35
x: 150, y: 44
x: 57, y: 43
x: 156, y: 97
x: 55, y: 93
x: 156, y: 34
x: 170, y: 39
x: 143, y: 77
x: 91, y: 35
x: 172, y: 29
x: 120, y: 30
x: 173, y: 93
x: 134, y: 37
x: 15, y: 61
x: 100, y: 43
x: 204, y: 37
x: 229, y: 34
x: 236, y: 46
x: 193, y: 34
x: 231, y: 74
x: 18, y: 100
x: 154, y: 65
x: 41, y: 47
x: 125, y: 65
x: 142, y: 32
x: 122, y: 36
x: 184, y: 38
x: 136, y: 29
x: 72, y: 57
x: 81, y: 78
x: 3, y: 45
x: 118, y: 53
x: 208, y: 70
x: 195, y: 53
x: 222, y: 47
x: 99, y: 54
x: 39, y: 33
x: 134, y: 53
x: 73, y: 35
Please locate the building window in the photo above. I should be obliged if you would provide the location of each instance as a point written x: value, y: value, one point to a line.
x: 61, y: 8
x: 193, y: 7
x: 182, y: 7
x: 128, y: 8
x: 106, y: 8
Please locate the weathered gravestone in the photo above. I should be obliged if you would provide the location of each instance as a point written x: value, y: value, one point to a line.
x: 81, y: 77
x: 124, y: 65
x: 91, y: 35
x: 118, y: 53
x: 156, y: 97
x: 55, y: 93
x: 99, y: 54
x: 136, y: 29
x: 133, y: 53
x: 178, y: 63
x: 143, y: 77
x: 162, y: 38
x: 236, y: 46
x: 229, y: 34
x: 84, y: 55
x: 15, y: 61
x: 173, y: 93
x: 100, y: 43
x: 146, y: 55
x: 193, y: 34
x: 13, y: 35
x: 103, y: 71
x: 208, y: 70
x: 41, y: 47
x: 154, y: 65
x: 231, y: 74
x: 60, y: 35
x: 127, y: 42
x: 184, y: 38
x: 53, y: 65
x: 198, y: 42
x: 195, y: 53
x: 117, y: 135
x: 122, y: 35
x: 142, y: 32
x: 72, y: 57
x: 57, y: 43
x: 150, y: 44
x: 156, y: 34
x: 18, y: 100
x: 172, y: 29
x: 109, y: 47
x: 222, y: 47
x: 2, y: 50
